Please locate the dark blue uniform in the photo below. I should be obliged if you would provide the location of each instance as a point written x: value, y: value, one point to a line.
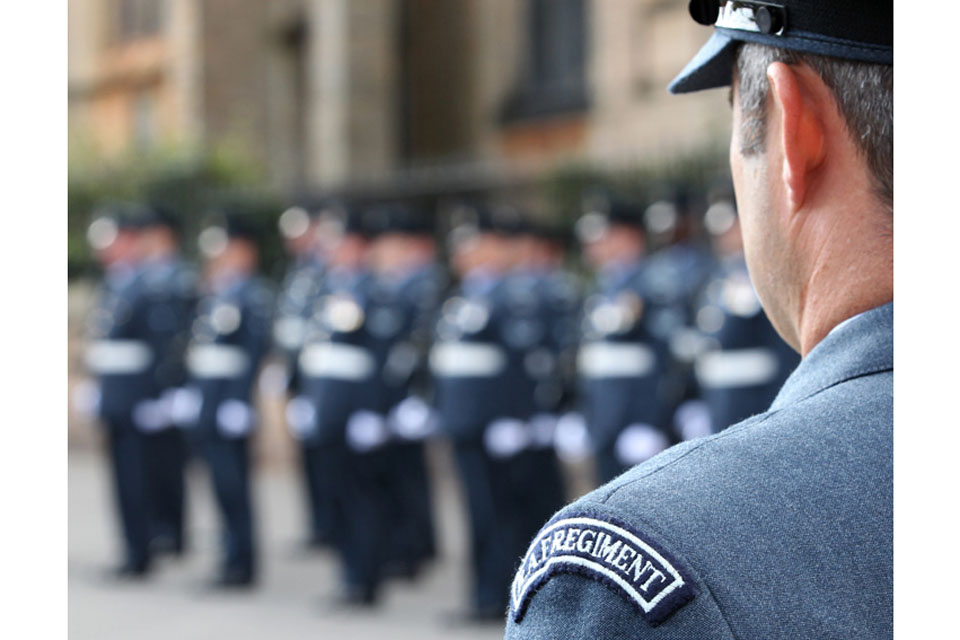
x: 339, y: 380
x: 484, y: 401
x: 401, y: 313
x: 540, y: 325
x: 299, y: 292
x: 674, y: 278
x: 121, y: 355
x: 230, y: 337
x: 621, y: 365
x: 169, y: 288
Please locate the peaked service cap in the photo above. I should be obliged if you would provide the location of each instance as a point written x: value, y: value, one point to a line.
x: 859, y: 30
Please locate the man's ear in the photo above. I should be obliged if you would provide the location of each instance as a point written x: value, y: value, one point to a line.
x: 802, y: 131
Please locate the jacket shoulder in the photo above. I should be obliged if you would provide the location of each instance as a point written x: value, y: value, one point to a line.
x: 748, y: 517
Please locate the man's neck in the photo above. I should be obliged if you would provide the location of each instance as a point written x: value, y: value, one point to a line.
x: 842, y: 285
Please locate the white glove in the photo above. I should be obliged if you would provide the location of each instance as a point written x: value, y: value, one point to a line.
x: 506, y: 437
x: 542, y: 429
x: 301, y: 417
x: 185, y: 406
x: 638, y: 443
x: 86, y: 398
x: 571, y: 438
x: 366, y: 431
x: 235, y: 418
x: 692, y: 420
x: 151, y: 416
x: 413, y: 419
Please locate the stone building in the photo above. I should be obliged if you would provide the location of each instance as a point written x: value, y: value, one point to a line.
x: 391, y: 94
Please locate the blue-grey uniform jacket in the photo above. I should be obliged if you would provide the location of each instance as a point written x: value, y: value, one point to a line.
x: 778, y: 527
x: 119, y: 352
x: 230, y: 337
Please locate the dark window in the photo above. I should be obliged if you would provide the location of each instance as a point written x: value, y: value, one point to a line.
x: 139, y: 18
x: 553, y: 78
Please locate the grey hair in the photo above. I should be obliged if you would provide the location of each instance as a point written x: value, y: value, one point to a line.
x: 864, y: 95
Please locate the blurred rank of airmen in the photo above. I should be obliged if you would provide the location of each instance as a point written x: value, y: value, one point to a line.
x: 229, y: 338
x: 136, y: 340
x: 514, y: 364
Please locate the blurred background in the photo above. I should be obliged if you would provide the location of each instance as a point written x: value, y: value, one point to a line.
x: 197, y: 106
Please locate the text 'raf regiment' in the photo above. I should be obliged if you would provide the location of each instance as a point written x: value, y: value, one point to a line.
x: 609, y: 553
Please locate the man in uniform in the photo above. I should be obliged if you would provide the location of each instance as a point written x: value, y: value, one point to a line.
x: 780, y: 526
x: 121, y: 358
x: 542, y: 306
x: 483, y: 399
x: 298, y: 293
x: 404, y: 298
x: 621, y: 361
x: 169, y: 290
x: 339, y: 389
x: 230, y: 337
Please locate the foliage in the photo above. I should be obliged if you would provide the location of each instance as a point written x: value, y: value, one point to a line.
x: 189, y: 184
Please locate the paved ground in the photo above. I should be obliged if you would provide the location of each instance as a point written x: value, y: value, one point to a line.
x: 291, y: 599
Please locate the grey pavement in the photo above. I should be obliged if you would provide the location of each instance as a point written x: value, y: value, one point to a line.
x: 292, y: 599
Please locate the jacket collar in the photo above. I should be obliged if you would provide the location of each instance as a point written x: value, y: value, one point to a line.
x: 859, y: 346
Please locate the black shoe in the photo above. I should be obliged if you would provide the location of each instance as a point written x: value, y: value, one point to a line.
x: 355, y: 598
x: 129, y: 571
x: 164, y: 545
x: 234, y: 579
x: 403, y: 569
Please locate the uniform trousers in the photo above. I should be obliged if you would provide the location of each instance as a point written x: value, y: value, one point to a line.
x: 165, y: 459
x: 495, y: 526
x: 538, y: 490
x: 361, y: 495
x: 126, y: 449
x: 408, y: 507
x: 229, y: 463
x: 319, y: 465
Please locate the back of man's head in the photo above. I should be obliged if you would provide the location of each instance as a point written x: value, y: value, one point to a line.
x: 863, y: 92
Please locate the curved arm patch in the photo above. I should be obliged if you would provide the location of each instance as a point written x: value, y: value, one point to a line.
x: 610, y: 552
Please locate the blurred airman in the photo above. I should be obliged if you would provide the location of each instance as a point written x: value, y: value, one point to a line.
x: 169, y: 288
x: 230, y: 337
x: 404, y: 299
x: 622, y: 358
x: 121, y: 358
x: 299, y: 291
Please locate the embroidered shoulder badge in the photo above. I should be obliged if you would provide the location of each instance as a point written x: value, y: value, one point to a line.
x: 610, y: 552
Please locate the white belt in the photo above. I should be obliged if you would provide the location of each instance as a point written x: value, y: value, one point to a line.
x: 737, y: 368
x: 615, y: 360
x: 118, y: 357
x: 336, y: 360
x: 467, y: 360
x: 289, y: 331
x: 217, y: 361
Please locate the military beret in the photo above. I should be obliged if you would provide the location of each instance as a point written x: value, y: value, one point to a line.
x: 156, y: 215
x: 602, y: 210
x: 398, y: 218
x: 849, y: 29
